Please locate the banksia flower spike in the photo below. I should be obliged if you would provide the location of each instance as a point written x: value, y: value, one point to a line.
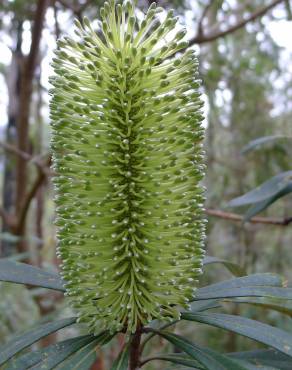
x: 127, y: 151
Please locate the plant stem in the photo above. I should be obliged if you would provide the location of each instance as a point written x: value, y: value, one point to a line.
x: 134, y: 362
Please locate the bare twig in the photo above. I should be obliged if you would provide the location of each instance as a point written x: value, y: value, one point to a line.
x: 201, y: 38
x: 36, y: 160
x: 57, y: 26
x: 201, y: 20
x: 43, y: 170
x: 82, y: 7
x: 29, y: 197
x: 77, y: 10
x: 12, y: 149
x: 7, y: 218
x: 255, y: 220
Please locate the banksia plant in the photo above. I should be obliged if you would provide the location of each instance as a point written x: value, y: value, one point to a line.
x: 127, y: 152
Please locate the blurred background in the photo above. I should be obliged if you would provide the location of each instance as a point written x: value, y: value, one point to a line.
x: 245, y: 52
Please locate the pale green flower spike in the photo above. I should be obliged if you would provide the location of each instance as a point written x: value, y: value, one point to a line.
x: 127, y: 151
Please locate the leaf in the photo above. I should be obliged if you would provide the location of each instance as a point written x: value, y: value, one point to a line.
x: 50, y: 362
x: 10, y: 238
x: 256, y: 285
x: 250, y: 366
x: 25, y: 361
x: 252, y: 291
x: 199, y: 306
x: 208, y: 358
x: 182, y: 359
x: 121, y: 363
x: 259, y: 142
x: 266, y: 279
x: 55, y: 358
x: 50, y: 356
x: 196, y: 306
x: 86, y: 356
x: 22, y: 273
x: 234, y: 268
x: 268, y: 189
x: 225, y: 289
x: 268, y: 357
x: 179, y: 359
x: 18, y: 257
x: 272, y: 303
x: 81, y: 360
x: 252, y: 329
x: 20, y: 342
x: 261, y: 206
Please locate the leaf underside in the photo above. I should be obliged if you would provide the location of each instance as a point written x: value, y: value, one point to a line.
x: 21, y: 273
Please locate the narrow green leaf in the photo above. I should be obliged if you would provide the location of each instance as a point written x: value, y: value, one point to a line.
x: 269, y: 357
x: 267, y: 190
x: 280, y: 305
x: 261, y: 206
x: 86, y: 356
x: 25, y: 340
x: 253, y: 291
x: 49, y: 362
x: 250, y: 366
x: 82, y: 359
x: 24, y: 362
x: 248, y: 281
x: 121, y: 363
x: 177, y: 358
x: 263, y: 333
x: 49, y: 357
x: 261, y: 141
x: 246, y: 286
x: 234, y: 268
x: 17, y: 257
x: 266, y: 279
x: 10, y: 238
x: 181, y: 359
x: 211, y: 360
x: 22, y: 273
x: 200, y: 306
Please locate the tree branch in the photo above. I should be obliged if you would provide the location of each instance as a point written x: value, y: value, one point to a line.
x: 77, y: 10
x: 26, y: 90
x: 36, y: 160
x: 201, y: 20
x: 254, y: 220
x: 57, y: 26
x: 29, y: 197
x: 12, y: 149
x: 7, y: 218
x: 200, y: 38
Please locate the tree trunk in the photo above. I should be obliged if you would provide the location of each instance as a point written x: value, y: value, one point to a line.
x: 13, y: 78
x: 26, y: 89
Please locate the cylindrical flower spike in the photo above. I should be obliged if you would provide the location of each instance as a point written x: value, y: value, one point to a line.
x: 127, y: 151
